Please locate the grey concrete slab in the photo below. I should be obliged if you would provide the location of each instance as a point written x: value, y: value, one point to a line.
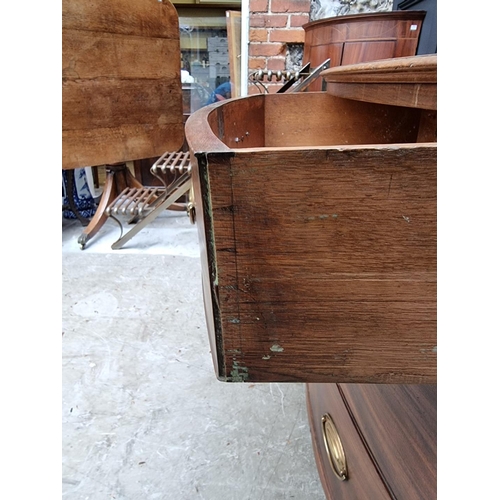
x: 143, y: 414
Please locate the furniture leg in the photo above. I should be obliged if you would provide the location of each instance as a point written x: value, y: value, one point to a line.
x: 180, y: 187
x: 118, y: 177
x: 70, y: 176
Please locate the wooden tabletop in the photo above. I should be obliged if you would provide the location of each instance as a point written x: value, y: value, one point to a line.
x: 402, y: 81
x: 121, y: 85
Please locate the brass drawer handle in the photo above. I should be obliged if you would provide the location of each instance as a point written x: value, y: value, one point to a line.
x: 334, y: 448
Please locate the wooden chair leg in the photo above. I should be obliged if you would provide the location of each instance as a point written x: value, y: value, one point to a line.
x: 180, y: 187
x: 70, y: 176
x: 118, y: 177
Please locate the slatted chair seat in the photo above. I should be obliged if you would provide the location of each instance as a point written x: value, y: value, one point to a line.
x: 141, y: 205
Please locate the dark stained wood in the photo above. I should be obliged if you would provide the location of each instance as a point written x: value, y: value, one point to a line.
x: 427, y: 131
x: 364, y: 481
x: 361, y: 38
x: 398, y: 424
x: 371, y: 225
x: 142, y: 172
x: 333, y: 277
x: 121, y: 88
x: 332, y: 51
x: 372, y: 25
x: 427, y: 43
x: 397, y: 428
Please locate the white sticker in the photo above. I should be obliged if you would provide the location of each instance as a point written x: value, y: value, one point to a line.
x: 413, y: 27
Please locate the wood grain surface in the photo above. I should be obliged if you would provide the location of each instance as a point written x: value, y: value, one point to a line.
x: 389, y: 434
x: 364, y: 481
x: 320, y: 258
x: 335, y: 279
x: 285, y: 121
x: 121, y: 88
x: 398, y: 424
x: 359, y: 38
x: 405, y: 81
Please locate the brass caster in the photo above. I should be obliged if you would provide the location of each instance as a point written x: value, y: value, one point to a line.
x: 191, y: 212
x: 82, y: 240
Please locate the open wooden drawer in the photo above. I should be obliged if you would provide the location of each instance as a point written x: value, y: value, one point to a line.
x: 317, y: 222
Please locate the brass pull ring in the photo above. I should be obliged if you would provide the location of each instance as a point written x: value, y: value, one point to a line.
x: 334, y: 448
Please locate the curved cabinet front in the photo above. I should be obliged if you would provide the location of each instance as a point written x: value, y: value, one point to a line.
x: 361, y: 38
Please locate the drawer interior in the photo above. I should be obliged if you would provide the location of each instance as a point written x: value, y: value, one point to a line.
x: 315, y: 119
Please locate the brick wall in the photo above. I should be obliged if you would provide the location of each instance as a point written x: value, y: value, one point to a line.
x: 275, y: 26
x: 276, y: 37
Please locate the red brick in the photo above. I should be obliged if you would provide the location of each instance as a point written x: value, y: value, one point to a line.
x: 255, y: 89
x: 266, y: 49
x: 287, y: 35
x: 276, y: 63
x: 259, y: 5
x: 255, y: 63
x: 258, y: 35
x: 268, y: 21
x: 298, y: 20
x: 256, y: 21
x: 290, y: 5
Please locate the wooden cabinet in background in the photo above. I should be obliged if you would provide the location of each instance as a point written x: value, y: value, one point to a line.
x: 427, y: 43
x: 361, y: 38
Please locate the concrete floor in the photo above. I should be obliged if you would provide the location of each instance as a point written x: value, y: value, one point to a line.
x: 143, y: 415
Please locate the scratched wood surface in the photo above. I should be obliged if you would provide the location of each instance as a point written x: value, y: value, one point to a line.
x: 320, y: 260
x: 121, y: 87
x: 334, y: 277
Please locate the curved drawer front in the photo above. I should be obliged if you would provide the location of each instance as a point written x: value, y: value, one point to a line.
x: 399, y: 426
x: 388, y: 434
x: 363, y: 481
